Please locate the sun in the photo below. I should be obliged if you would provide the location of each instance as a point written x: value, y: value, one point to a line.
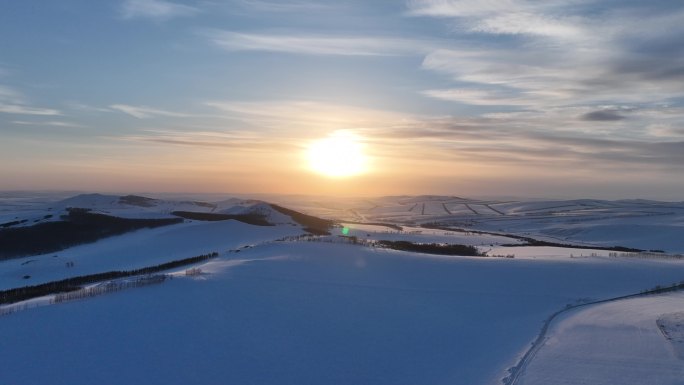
x: 339, y: 155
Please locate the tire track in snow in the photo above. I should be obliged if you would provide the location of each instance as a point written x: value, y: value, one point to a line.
x: 519, y: 369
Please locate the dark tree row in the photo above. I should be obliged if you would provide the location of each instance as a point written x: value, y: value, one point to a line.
x: 75, y: 283
x: 390, y: 225
x: 536, y: 242
x: 250, y: 219
x: 432, y: 248
x: 533, y: 242
x: 314, y: 225
x: 13, y: 223
x: 77, y: 227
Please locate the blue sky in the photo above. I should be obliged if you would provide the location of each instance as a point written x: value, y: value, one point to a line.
x: 500, y: 97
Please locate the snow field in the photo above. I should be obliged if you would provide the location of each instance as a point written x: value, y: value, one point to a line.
x: 424, y: 235
x: 313, y: 313
x: 647, y: 225
x: 613, y: 343
x: 141, y: 248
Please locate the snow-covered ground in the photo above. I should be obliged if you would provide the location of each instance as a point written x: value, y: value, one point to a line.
x: 146, y: 247
x: 641, y: 224
x: 314, y: 313
x: 614, y: 343
x: 425, y: 235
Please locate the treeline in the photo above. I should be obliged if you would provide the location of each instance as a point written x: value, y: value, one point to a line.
x: 432, y: 248
x: 533, y: 242
x: 314, y: 225
x: 77, y: 227
x: 75, y: 283
x: 13, y: 223
x: 665, y: 289
x: 390, y: 225
x: 250, y: 219
x: 109, y: 287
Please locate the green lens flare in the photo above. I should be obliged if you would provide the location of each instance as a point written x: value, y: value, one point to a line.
x: 345, y: 230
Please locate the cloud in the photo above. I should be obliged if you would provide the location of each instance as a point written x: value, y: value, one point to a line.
x: 478, y: 97
x: 660, y: 130
x: 155, y: 9
x: 317, y: 44
x: 8, y: 94
x: 520, y: 23
x: 144, y: 112
x: 563, y: 54
x: 53, y: 123
x: 531, y: 77
x: 236, y: 140
x: 462, y: 8
x: 85, y: 107
x: 14, y: 102
x: 284, y: 6
x: 554, y: 139
x: 305, y: 115
x: 26, y: 110
x: 602, y: 116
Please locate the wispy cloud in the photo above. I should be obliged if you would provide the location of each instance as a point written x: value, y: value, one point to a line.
x: 567, y: 53
x: 26, y: 110
x: 235, y: 140
x: 558, y: 138
x: 285, y: 5
x: 156, y: 9
x: 8, y: 94
x: 305, y: 115
x: 460, y: 8
x: 85, y: 107
x: 317, y: 44
x: 479, y: 8
x: 603, y: 116
x: 478, y: 97
x: 488, y: 142
x: 53, y: 123
x: 521, y: 23
x: 143, y: 112
x: 14, y: 102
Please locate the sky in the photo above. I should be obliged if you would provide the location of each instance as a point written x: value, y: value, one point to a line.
x: 556, y: 99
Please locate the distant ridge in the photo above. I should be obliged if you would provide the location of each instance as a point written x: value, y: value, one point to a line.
x: 310, y: 223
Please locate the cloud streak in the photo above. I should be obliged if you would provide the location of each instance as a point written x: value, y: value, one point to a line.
x: 558, y: 139
x: 564, y: 54
x: 14, y: 102
x: 53, y: 123
x: 307, y: 44
x: 156, y: 9
x: 603, y: 116
x: 26, y: 110
x: 236, y: 140
x: 284, y: 6
x: 144, y: 112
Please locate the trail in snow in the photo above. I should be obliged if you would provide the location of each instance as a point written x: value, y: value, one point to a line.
x: 518, y: 370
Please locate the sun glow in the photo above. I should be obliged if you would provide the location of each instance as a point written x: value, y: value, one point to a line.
x: 337, y: 156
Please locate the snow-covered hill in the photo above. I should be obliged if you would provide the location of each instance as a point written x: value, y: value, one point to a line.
x: 280, y: 306
x: 641, y: 224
